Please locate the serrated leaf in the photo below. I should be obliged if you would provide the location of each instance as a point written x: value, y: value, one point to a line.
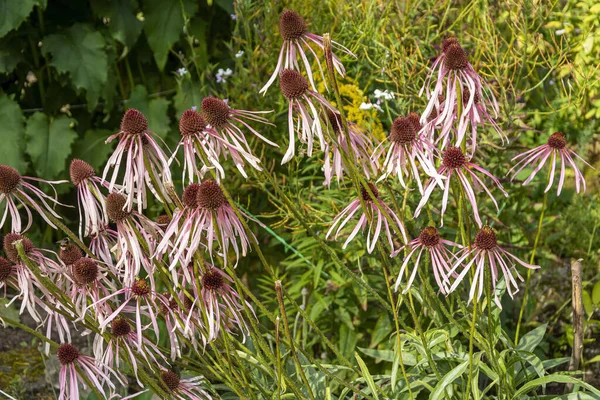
x: 12, y: 132
x: 122, y: 22
x: 163, y: 24
x: 596, y: 294
x: 440, y: 388
x: 13, y: 13
x: 367, y: 375
x: 588, y: 306
x: 92, y: 149
x: 49, y: 143
x: 532, y: 339
x: 79, y: 51
x: 155, y: 110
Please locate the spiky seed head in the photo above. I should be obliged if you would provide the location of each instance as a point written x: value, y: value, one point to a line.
x: 5, y: 269
x: 403, y: 131
x: 11, y: 250
x: 80, y: 171
x: 557, y: 141
x: 453, y: 158
x: 291, y: 25
x: 67, y: 353
x: 450, y: 40
x: 334, y: 120
x: 163, y: 220
x: 456, y: 57
x: 215, y: 111
x: 115, y: 203
x: 190, y: 195
x: 69, y: 253
x: 365, y: 194
x: 415, y: 120
x: 212, y: 280
x: 120, y: 327
x: 466, y: 94
x: 85, y: 271
x: 187, y: 303
x: 429, y: 237
x: 210, y: 195
x: 191, y: 122
x: 292, y: 83
x: 171, y: 305
x: 140, y: 288
x: 9, y: 179
x: 486, y: 239
x: 134, y: 122
x: 170, y: 380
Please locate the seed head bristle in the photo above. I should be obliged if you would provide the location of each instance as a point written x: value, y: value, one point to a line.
x: 403, y: 131
x: 215, y: 111
x: 191, y: 122
x: 365, y: 194
x: 163, y: 220
x: 334, y: 120
x: 11, y: 250
x: 429, y: 237
x: 140, y: 288
x: 134, y: 122
x: 6, y: 268
x: 466, y: 94
x: 453, y: 158
x: 450, y: 40
x: 69, y: 253
x: 114, y: 207
x: 67, y: 353
x: 9, y: 179
x: 189, y: 197
x: 456, y: 57
x: 210, y: 195
x: 557, y: 141
x: 170, y: 380
x: 120, y: 327
x: 80, y: 171
x: 486, y: 239
x: 212, y: 280
x: 291, y: 25
x: 85, y: 271
x: 292, y: 83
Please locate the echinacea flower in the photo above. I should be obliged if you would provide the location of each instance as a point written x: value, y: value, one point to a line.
x: 455, y: 163
x: 375, y: 207
x: 294, y: 87
x: 223, y: 119
x: 15, y: 191
x: 556, y: 146
x: 222, y: 305
x: 183, y: 389
x: 442, y: 259
x: 143, y: 156
x: 46, y: 265
x: 485, y: 250
x: 78, y: 368
x: 296, y: 38
x: 91, y: 203
x: 68, y: 252
x: 89, y: 282
x: 407, y: 148
x: 359, y: 151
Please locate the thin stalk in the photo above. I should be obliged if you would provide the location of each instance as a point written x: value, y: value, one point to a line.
x: 470, y: 378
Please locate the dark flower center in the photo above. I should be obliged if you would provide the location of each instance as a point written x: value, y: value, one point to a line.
x: 163, y: 220
x: 187, y: 302
x: 429, y: 237
x: 415, y: 120
x: 365, y: 194
x: 170, y: 380
x: 80, y: 171
x: 140, y: 288
x: 557, y: 141
x: 9, y: 179
x: 134, y: 122
x: 171, y: 305
x: 212, y: 280
x: 466, y: 94
x: 69, y: 253
x: 403, y: 131
x: 191, y: 122
x: 5, y: 269
x: 210, y: 195
x: 190, y: 195
x: 215, y: 111
x: 85, y: 271
x: 11, y: 250
x: 292, y: 84
x: 450, y: 40
x: 120, y: 327
x: 486, y: 239
x: 114, y: 207
x: 67, y: 353
x: 456, y: 57
x: 334, y: 120
x: 291, y: 25
x: 453, y: 158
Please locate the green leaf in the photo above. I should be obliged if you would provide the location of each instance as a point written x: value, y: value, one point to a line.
x: 587, y: 303
x: 79, y: 51
x: 163, y: 24
x: 10, y: 56
x: 440, y: 389
x: 49, y: 143
x: 557, y: 378
x: 13, y: 13
x: 91, y: 147
x: 532, y: 339
x: 367, y: 375
x: 122, y: 22
x: 383, y: 327
x: 12, y: 132
x: 189, y: 94
x: 596, y: 294
x: 155, y: 110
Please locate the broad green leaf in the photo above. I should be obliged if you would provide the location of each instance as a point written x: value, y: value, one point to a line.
x: 189, y: 94
x: 122, y: 22
x: 155, y: 110
x: 382, y: 330
x: 596, y: 294
x: 588, y: 306
x: 10, y: 56
x: 347, y: 341
x: 556, y: 378
x: 163, y: 24
x: 13, y: 13
x: 49, y: 143
x: 79, y: 51
x: 440, y: 389
x: 92, y: 149
x: 12, y: 132
x: 385, y: 355
x: 532, y: 339
x: 367, y: 375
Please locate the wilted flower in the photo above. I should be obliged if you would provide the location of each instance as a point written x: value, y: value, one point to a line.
x: 375, y: 207
x: 292, y: 29
x: 91, y: 202
x: 454, y: 163
x: 143, y: 156
x: 485, y: 249
x: 183, y: 389
x: 15, y: 191
x: 442, y: 259
x: 556, y: 146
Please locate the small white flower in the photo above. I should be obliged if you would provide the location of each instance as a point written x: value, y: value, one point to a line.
x: 222, y: 74
x: 182, y: 71
x: 386, y: 94
x: 239, y: 54
x: 365, y: 106
x: 233, y: 17
x: 560, y: 32
x: 376, y: 106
